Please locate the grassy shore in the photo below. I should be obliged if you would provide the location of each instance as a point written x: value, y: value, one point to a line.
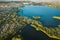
x: 51, y: 32
x: 36, y: 17
x: 56, y: 17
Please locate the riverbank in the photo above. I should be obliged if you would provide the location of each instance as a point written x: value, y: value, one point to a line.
x: 51, y: 32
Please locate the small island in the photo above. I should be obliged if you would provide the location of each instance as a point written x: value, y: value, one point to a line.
x: 56, y: 17
x: 36, y: 17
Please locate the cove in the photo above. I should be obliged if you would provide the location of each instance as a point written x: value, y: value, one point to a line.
x: 45, y: 12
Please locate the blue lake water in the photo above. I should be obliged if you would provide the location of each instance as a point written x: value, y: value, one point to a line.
x: 45, y: 12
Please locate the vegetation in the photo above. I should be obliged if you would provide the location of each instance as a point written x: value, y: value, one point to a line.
x: 17, y: 38
x: 10, y: 23
x: 51, y: 32
x: 36, y: 17
x: 56, y: 17
x: 22, y: 3
x: 49, y: 4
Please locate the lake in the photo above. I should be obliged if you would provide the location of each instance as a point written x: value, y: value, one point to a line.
x: 45, y: 12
